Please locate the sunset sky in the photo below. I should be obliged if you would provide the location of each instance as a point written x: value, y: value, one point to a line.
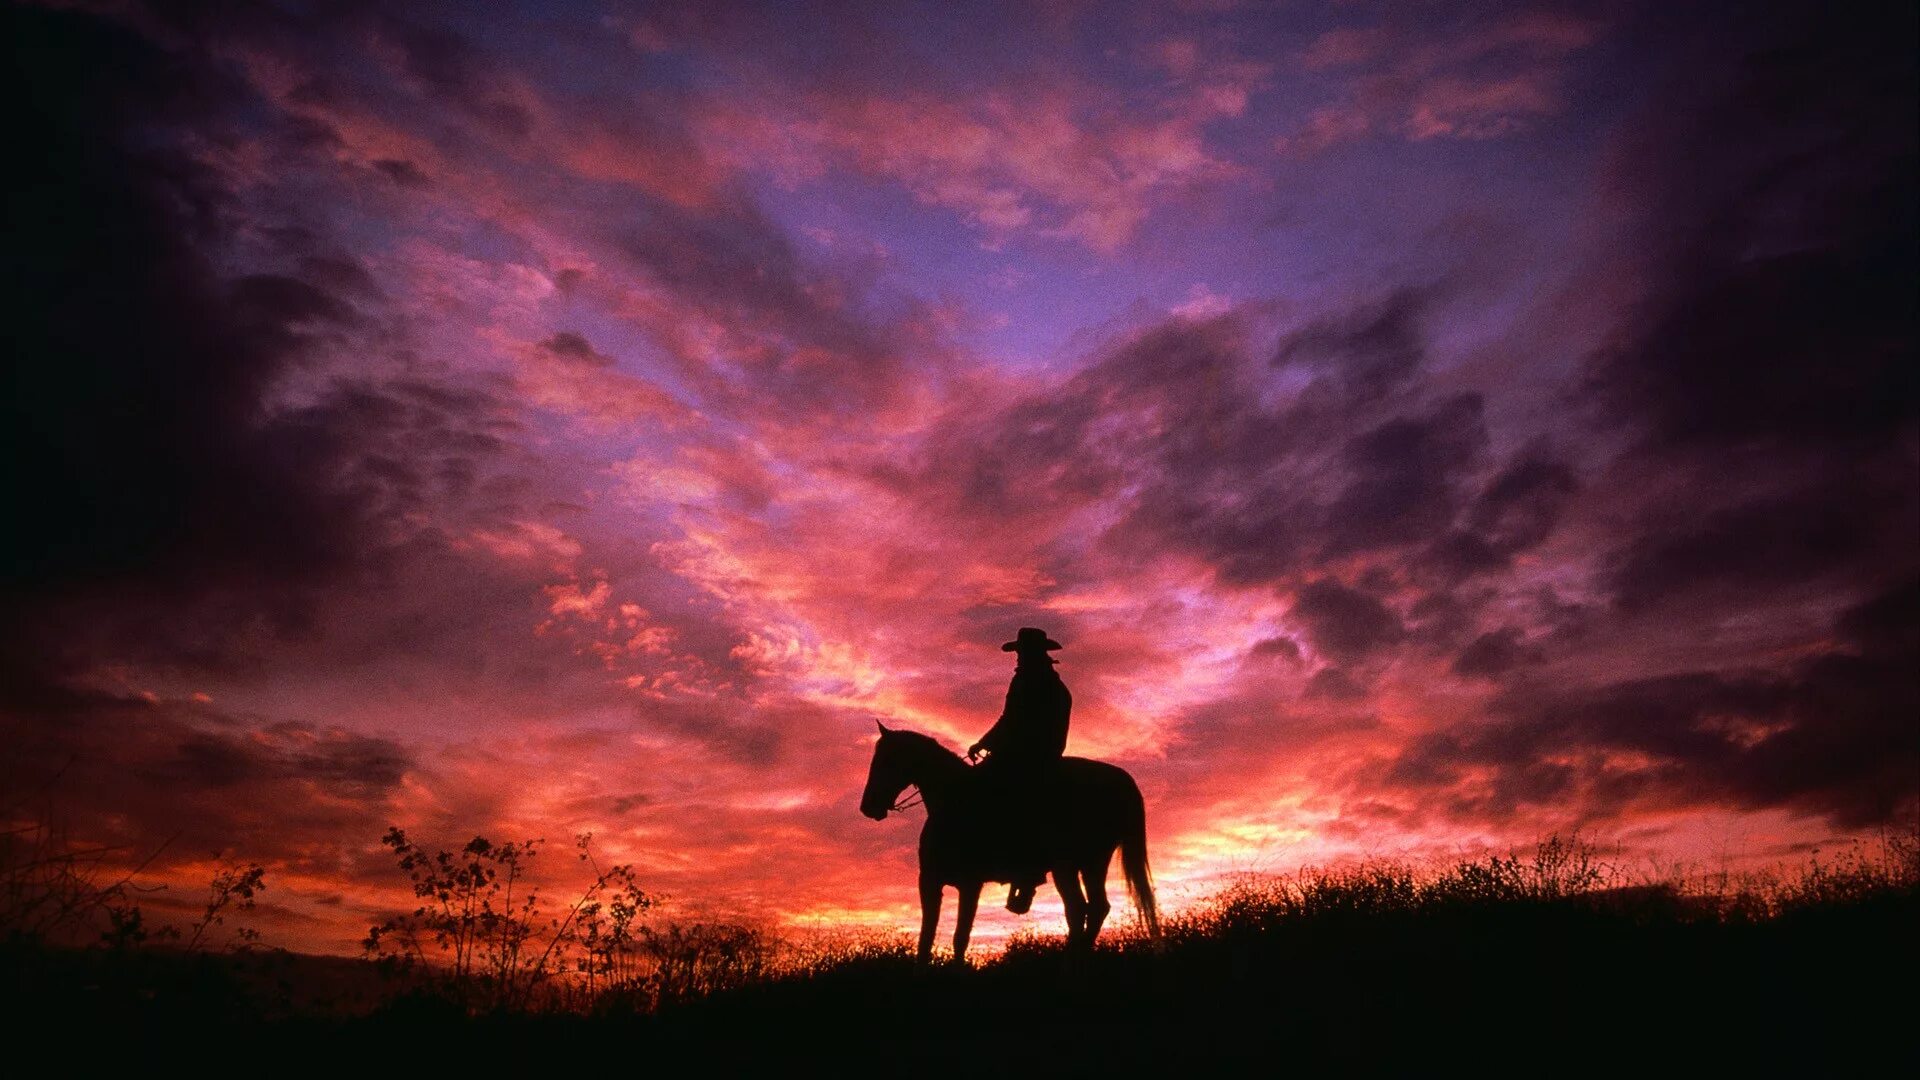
x: 1425, y: 425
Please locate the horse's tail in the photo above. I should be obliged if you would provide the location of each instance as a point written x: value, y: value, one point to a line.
x: 1133, y: 862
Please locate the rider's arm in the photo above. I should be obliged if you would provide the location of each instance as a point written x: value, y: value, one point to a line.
x: 998, y: 732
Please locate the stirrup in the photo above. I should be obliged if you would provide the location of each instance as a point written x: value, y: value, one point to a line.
x: 1019, y: 900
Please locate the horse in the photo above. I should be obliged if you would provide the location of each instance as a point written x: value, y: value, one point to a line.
x: 1100, y: 809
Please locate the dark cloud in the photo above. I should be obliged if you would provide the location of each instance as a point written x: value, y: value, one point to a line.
x: 571, y: 347
x: 1440, y: 620
x: 1832, y: 736
x: 1405, y: 478
x: 132, y: 432
x: 1284, y: 647
x: 1765, y: 386
x: 168, y: 498
x: 1238, y: 733
x: 1216, y: 461
x: 339, y: 276
x: 1493, y: 654
x: 804, y: 341
x: 337, y: 762
x: 1344, y: 622
x: 622, y: 804
x: 1517, y: 510
x: 152, y: 772
x: 138, y: 455
x: 404, y: 173
x: 1169, y: 412
x: 1350, y: 455
x: 1779, y: 196
x: 1368, y: 352
x: 1766, y: 379
x: 1781, y: 539
x: 1887, y: 624
x: 1334, y: 684
x: 452, y: 70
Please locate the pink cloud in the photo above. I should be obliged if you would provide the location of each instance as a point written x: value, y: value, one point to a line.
x: 583, y: 384
x: 1052, y: 160
x: 1454, y: 108
x: 1486, y: 82
x: 648, y: 511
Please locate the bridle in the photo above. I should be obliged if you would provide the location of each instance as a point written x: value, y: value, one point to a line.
x: 907, y: 801
x: 910, y: 796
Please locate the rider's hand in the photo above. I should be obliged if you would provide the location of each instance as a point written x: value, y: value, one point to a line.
x: 973, y: 752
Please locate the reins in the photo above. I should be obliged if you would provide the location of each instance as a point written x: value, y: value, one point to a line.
x: 909, y: 802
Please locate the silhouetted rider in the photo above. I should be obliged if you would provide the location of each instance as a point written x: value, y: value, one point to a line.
x: 1024, y: 745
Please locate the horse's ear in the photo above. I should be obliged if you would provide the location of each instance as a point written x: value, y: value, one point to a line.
x: 884, y: 730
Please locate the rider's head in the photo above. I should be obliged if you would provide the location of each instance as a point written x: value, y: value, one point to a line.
x: 1031, y: 645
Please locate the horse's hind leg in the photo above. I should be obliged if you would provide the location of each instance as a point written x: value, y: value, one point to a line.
x: 963, y: 924
x: 929, y: 915
x: 1067, y: 880
x: 1097, y: 905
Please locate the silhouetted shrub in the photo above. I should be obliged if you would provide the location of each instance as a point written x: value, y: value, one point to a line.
x: 56, y: 891
x: 693, y: 960
x: 231, y: 891
x: 492, y: 943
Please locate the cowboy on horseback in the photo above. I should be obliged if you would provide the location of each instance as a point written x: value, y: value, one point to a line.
x: 1023, y: 751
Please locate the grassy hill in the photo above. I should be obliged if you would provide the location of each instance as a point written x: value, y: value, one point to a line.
x: 1503, y: 966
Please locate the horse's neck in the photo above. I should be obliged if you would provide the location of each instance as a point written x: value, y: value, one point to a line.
x: 941, y: 778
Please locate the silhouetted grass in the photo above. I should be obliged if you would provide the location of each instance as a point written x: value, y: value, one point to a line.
x: 1546, y: 962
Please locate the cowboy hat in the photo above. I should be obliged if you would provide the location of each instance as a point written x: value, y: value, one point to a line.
x: 1029, y: 640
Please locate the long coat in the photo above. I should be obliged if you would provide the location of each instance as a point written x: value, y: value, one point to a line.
x: 1033, y: 728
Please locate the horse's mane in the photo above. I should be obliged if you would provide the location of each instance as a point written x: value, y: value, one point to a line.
x: 924, y: 742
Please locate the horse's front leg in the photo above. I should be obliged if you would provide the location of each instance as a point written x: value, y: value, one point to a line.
x: 963, y: 926
x: 929, y: 915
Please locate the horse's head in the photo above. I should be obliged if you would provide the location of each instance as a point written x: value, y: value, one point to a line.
x: 887, y: 777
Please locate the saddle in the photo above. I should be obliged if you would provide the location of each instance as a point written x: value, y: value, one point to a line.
x: 1017, y: 815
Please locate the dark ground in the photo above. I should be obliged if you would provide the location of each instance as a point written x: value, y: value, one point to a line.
x: 1540, y: 988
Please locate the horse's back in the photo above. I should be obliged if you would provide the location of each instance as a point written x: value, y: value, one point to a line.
x: 1088, y: 771
x: 1097, y: 793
